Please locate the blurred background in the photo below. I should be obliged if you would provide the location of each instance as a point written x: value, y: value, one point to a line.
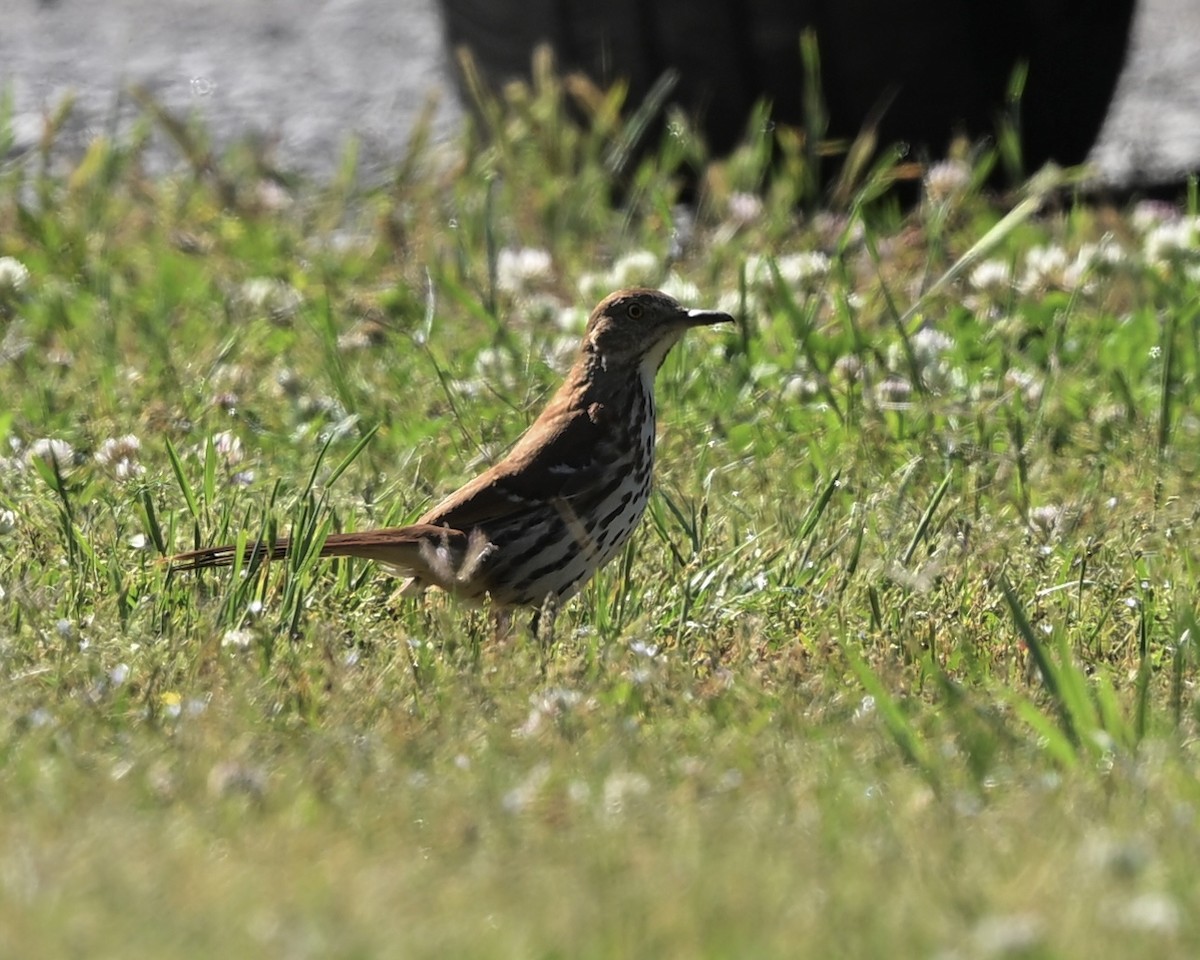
x: 1116, y: 81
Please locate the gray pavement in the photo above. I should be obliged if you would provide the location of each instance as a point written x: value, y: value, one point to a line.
x: 302, y: 73
x: 307, y: 73
x: 1152, y: 131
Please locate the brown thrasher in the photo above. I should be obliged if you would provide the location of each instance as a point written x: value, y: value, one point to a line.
x: 542, y: 521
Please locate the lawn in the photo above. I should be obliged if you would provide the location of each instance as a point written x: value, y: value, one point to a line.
x: 901, y: 662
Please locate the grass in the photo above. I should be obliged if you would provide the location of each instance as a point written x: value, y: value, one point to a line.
x: 901, y: 661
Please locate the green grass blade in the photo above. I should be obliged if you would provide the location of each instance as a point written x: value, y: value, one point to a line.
x: 813, y: 517
x: 210, y: 473
x: 1046, y: 182
x: 1047, y: 669
x: 189, y: 495
x: 150, y: 519
x: 926, y: 519
x: 359, y: 446
x: 907, y: 737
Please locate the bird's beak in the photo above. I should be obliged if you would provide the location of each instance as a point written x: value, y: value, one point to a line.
x: 703, y: 318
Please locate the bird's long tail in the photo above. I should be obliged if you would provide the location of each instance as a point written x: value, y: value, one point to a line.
x: 411, y: 549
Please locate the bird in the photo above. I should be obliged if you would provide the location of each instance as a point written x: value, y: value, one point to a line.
x: 536, y: 526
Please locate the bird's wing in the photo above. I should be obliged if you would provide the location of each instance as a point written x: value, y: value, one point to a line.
x: 556, y: 460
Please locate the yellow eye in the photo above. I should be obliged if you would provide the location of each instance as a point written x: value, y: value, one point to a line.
x: 635, y: 311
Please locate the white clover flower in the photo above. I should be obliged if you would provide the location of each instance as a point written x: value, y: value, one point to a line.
x: 272, y: 195
x: 1101, y: 257
x: 745, y: 208
x: 622, y: 788
x: 519, y: 271
x: 1148, y: 214
x: 549, y: 705
x: 364, y: 335
x: 637, y: 269
x: 849, y: 367
x: 228, y: 446
x: 1151, y: 913
x: 494, y: 365
x: 928, y: 347
x: 14, y: 344
x: 757, y: 270
x: 894, y: 391
x: 571, y: 319
x: 1106, y: 250
x: 525, y: 793
x: 682, y: 290
x: 560, y: 352
x: 14, y: 277
x: 1046, y: 519
x: 732, y: 302
x: 8, y: 521
x: 929, y: 344
x: 643, y: 649
x: 232, y: 777
x: 275, y: 299
x: 992, y: 278
x: 800, y: 387
x: 1173, y: 240
x: 1008, y: 935
x: 1025, y: 383
x: 52, y: 451
x: 1045, y: 268
x: 833, y: 229
x: 238, y: 639
x: 593, y: 286
x: 803, y: 270
x: 119, y: 455
x: 538, y: 309
x: 946, y: 179
x: 800, y: 271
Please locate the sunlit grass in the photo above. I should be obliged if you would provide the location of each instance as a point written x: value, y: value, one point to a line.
x: 901, y: 661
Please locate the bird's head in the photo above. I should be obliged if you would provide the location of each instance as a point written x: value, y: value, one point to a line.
x: 635, y: 329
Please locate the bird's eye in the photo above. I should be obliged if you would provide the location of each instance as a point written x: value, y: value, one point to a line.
x: 635, y: 311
